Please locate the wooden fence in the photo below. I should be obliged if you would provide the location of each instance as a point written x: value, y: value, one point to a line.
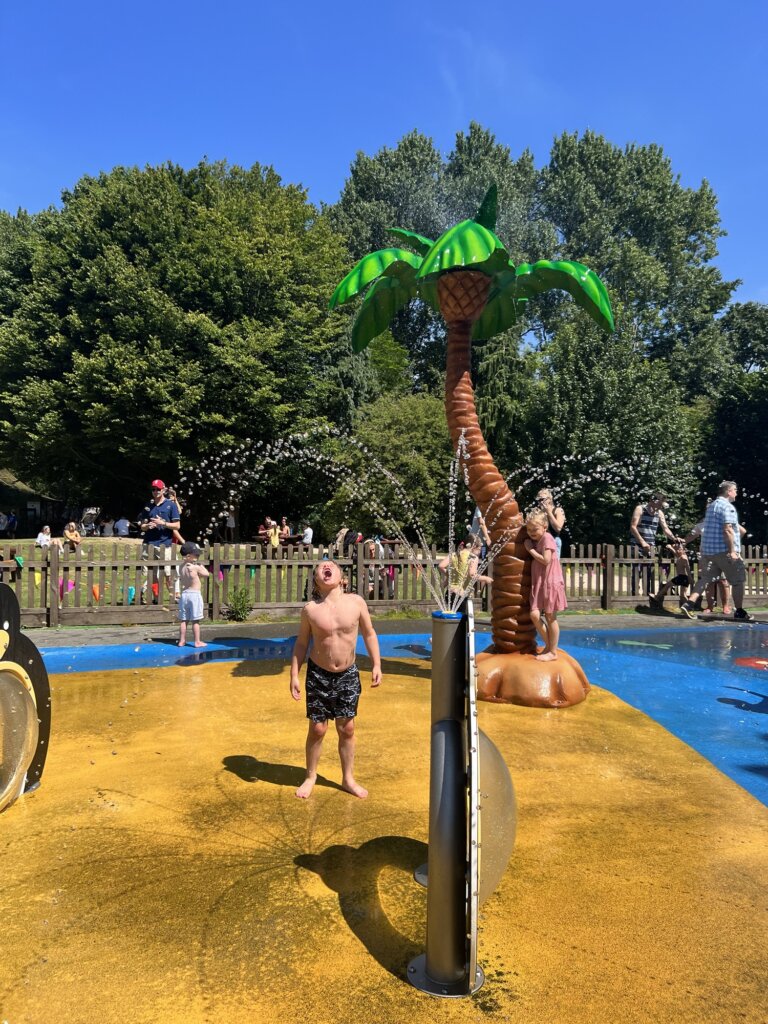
x: 110, y: 583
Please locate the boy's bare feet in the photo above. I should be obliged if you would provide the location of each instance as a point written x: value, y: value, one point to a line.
x: 546, y: 656
x: 182, y: 643
x: 355, y: 789
x: 200, y: 643
x: 305, y: 789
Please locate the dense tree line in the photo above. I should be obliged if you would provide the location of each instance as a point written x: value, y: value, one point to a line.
x: 161, y: 316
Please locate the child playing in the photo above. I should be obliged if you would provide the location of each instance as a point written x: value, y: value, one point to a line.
x: 191, y: 600
x: 331, y: 621
x: 681, y: 579
x: 461, y: 569
x: 547, y: 583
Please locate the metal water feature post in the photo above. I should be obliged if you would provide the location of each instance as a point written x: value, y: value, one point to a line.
x: 445, y: 968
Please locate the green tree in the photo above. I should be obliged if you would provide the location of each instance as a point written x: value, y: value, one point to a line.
x: 734, y: 447
x: 625, y: 213
x: 161, y: 313
x: 405, y: 436
x: 745, y: 327
x: 618, y: 419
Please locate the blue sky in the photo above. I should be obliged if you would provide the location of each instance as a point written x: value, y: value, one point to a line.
x: 85, y: 86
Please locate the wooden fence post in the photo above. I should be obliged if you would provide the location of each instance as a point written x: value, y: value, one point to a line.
x: 53, y: 585
x: 606, y: 598
x: 216, y: 599
x: 362, y: 574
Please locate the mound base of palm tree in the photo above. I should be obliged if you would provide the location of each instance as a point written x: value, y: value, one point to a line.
x: 524, y: 679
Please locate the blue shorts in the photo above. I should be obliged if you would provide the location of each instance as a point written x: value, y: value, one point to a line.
x: 190, y: 606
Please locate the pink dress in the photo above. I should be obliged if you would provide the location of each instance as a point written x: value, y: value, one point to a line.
x: 547, y: 583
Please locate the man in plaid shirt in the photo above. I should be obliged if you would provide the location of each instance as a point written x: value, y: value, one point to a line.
x: 721, y: 551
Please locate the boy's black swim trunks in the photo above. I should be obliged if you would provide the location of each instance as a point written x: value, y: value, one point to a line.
x: 332, y: 694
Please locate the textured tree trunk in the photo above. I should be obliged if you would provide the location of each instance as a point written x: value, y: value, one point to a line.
x: 462, y: 296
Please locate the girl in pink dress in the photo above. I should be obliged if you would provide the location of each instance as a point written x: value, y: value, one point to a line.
x: 547, y: 583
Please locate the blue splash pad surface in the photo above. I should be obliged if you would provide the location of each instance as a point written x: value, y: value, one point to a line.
x: 689, y: 681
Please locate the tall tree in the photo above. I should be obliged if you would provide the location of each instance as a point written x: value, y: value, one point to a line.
x: 407, y: 436
x: 625, y: 213
x: 745, y: 327
x: 599, y: 395
x: 734, y: 447
x: 160, y: 313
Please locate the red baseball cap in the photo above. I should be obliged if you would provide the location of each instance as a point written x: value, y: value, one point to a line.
x: 157, y: 485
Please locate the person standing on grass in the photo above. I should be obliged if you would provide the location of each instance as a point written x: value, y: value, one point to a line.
x: 171, y: 495
x: 191, y: 599
x: 721, y: 552
x: 547, y: 583
x: 330, y: 622
x: 273, y: 540
x: 157, y: 523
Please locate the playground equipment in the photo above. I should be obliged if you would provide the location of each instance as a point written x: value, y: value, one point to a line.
x: 25, y: 705
x: 467, y: 277
x: 468, y: 776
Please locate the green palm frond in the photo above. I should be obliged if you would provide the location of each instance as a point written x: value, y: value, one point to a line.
x: 467, y: 244
x: 501, y: 309
x: 428, y: 293
x: 387, y: 296
x: 421, y: 244
x: 486, y: 215
x: 583, y: 284
x: 368, y: 269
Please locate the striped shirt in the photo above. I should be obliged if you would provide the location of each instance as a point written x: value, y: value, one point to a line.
x: 713, y: 541
x: 647, y: 526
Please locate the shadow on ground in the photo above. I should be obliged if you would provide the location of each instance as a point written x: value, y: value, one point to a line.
x: 250, y: 769
x: 353, y: 873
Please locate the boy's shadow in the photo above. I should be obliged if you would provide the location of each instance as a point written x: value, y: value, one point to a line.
x: 250, y: 769
x: 353, y: 872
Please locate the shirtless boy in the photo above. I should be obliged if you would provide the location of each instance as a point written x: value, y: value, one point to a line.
x: 331, y: 622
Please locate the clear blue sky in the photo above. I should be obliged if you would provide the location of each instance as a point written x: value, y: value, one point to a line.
x: 88, y: 85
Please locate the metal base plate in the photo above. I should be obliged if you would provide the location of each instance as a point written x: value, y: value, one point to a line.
x: 418, y: 977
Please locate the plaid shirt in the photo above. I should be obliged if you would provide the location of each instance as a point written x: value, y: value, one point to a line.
x: 720, y: 512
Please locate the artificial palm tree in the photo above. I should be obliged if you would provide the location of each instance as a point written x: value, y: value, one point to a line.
x: 467, y: 277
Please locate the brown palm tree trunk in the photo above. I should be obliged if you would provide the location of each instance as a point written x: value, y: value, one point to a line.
x: 462, y: 296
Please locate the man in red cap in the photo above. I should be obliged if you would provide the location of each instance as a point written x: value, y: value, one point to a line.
x: 157, y: 523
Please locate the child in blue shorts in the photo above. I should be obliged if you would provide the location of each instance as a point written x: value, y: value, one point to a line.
x: 191, y: 600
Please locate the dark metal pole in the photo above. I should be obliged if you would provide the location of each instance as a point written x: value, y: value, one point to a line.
x: 443, y: 969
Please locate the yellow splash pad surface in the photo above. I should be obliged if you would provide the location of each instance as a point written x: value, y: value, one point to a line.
x: 165, y: 871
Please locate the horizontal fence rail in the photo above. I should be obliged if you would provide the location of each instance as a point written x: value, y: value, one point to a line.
x: 111, y: 583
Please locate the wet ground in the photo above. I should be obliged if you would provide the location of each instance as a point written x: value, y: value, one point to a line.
x: 165, y: 872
